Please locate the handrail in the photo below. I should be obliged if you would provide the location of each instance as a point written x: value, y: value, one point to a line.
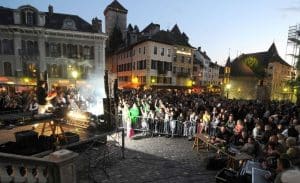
x: 55, y: 168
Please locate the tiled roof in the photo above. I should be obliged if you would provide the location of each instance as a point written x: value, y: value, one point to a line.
x: 176, y: 30
x: 115, y: 6
x: 239, y: 68
x: 204, y: 55
x: 6, y: 16
x: 55, y: 21
x: 129, y: 28
x: 169, y: 38
x: 149, y: 27
x: 52, y: 20
x: 227, y: 62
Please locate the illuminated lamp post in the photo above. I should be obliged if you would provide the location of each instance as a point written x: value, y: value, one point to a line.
x: 285, y: 90
x: 135, y: 81
x: 227, y: 87
x: 75, y: 76
x: 26, y: 80
x: 153, y: 81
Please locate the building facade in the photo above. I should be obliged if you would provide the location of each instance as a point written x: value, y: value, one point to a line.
x: 115, y: 16
x: 155, y: 60
x: 32, y: 41
x: 205, y: 72
x: 151, y: 57
x: 262, y: 75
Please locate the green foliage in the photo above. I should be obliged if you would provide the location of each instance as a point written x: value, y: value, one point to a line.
x: 255, y: 66
x: 115, y: 39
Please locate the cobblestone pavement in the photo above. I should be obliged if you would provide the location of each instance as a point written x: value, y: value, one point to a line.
x: 156, y: 159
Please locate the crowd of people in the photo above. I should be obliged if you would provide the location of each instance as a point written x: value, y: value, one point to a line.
x: 266, y: 130
x: 16, y: 101
x: 32, y: 99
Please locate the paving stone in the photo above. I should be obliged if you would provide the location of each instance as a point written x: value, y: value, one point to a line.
x: 156, y: 159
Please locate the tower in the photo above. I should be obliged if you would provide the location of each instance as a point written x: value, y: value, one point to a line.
x: 227, y: 71
x: 115, y: 16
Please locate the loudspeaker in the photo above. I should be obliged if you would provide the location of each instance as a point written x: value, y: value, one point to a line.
x: 106, y: 83
x: 46, y: 142
x: 70, y: 138
x: 116, y: 95
x: 27, y: 138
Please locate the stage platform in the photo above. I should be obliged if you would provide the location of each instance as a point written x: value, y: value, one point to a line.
x: 7, y: 135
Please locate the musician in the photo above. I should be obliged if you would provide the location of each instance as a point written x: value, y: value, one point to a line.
x: 41, y: 94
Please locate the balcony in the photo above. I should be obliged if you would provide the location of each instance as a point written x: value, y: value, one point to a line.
x: 183, y: 74
x: 56, y: 167
x: 24, y: 52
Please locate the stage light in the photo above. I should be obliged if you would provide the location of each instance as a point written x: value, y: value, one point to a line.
x: 35, y: 126
x: 26, y: 80
x: 153, y: 80
x: 135, y: 80
x: 74, y: 74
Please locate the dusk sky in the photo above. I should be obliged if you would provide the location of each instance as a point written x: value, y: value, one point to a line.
x: 216, y: 25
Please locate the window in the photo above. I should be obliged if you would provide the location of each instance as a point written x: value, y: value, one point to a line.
x: 169, y: 52
x: 182, y: 59
x: 0, y: 47
x: 141, y: 65
x: 153, y: 64
x: 189, y: 60
x: 139, y: 50
x: 29, y: 18
x: 46, y: 48
x: 144, y: 50
x: 174, y: 69
x: 8, y: 47
x: 195, y: 69
x: 155, y: 50
x: 80, y: 51
x: 7, y: 69
x: 175, y: 58
x: 145, y: 64
x: 170, y: 67
x: 162, y: 53
x: 92, y: 55
x: 31, y: 70
x: 86, y: 52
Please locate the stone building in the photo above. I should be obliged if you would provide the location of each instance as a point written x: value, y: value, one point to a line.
x: 115, y: 16
x: 262, y: 75
x: 205, y: 72
x: 32, y: 41
x: 158, y: 58
x: 151, y: 57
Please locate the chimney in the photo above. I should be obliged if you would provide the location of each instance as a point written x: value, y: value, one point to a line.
x: 199, y: 48
x: 50, y: 9
x: 97, y: 25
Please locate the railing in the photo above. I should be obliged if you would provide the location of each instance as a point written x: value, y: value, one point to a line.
x: 58, y: 167
x: 159, y: 126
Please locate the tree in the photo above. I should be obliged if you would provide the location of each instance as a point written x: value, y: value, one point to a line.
x: 115, y: 39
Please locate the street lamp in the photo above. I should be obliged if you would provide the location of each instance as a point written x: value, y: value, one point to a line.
x: 228, y: 86
x: 74, y: 75
x: 135, y: 80
x: 153, y: 81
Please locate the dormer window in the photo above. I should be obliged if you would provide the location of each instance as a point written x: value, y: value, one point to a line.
x: 29, y: 18
x: 28, y: 15
x: 69, y: 24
